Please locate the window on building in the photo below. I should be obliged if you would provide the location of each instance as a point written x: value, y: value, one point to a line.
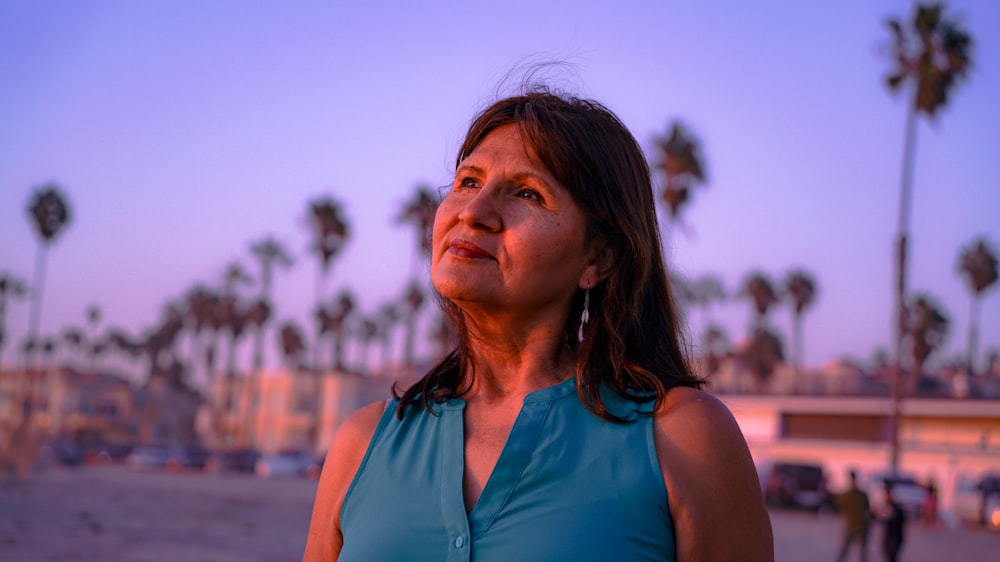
x: 832, y: 427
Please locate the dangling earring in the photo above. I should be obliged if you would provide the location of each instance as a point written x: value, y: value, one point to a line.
x: 585, y: 316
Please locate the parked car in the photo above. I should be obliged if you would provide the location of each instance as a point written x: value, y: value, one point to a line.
x: 66, y: 451
x: 288, y: 464
x: 239, y: 460
x: 977, y: 500
x: 796, y: 485
x: 172, y: 458
x: 907, y: 492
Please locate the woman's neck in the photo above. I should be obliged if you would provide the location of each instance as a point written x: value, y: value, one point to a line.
x: 511, y: 363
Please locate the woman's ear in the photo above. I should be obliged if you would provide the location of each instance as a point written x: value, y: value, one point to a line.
x: 599, y: 267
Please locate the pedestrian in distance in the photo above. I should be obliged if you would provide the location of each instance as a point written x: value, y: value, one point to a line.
x: 929, y: 507
x: 856, y: 512
x: 894, y: 526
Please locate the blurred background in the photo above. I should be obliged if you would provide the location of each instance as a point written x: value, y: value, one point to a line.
x: 204, y: 206
x: 181, y: 134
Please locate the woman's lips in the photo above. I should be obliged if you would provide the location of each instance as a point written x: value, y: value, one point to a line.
x: 466, y: 249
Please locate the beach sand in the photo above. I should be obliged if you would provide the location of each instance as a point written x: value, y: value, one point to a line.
x: 109, y: 513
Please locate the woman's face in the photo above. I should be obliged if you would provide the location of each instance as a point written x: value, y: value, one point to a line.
x: 508, y: 237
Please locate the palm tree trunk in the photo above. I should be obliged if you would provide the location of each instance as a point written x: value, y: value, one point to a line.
x: 258, y: 348
x: 320, y: 282
x: 231, y: 356
x: 411, y: 329
x: 338, y: 349
x: 3, y: 325
x: 797, y: 345
x: 253, y: 406
x: 36, y: 302
x: 909, y: 150
x: 364, y: 356
x: 197, y: 352
x: 386, y: 352
x: 317, y: 424
x: 913, y: 378
x: 973, y: 335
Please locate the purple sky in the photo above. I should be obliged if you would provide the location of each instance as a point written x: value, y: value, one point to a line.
x: 184, y: 131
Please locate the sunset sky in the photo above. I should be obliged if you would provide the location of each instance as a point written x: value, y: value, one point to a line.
x: 184, y: 131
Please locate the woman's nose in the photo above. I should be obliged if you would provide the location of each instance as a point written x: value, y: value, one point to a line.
x: 483, y: 209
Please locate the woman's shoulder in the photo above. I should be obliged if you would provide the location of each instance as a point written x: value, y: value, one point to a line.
x: 347, y: 450
x: 699, y: 425
x: 357, y: 430
x: 697, y: 411
x: 350, y: 443
x: 710, y: 478
x: 696, y: 425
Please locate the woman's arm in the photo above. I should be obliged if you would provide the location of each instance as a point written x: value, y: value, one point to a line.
x: 712, y: 486
x: 343, y: 458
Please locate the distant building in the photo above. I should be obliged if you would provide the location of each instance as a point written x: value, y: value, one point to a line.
x: 275, y: 410
x: 940, y: 439
x: 271, y: 412
x: 165, y: 411
x: 95, y: 411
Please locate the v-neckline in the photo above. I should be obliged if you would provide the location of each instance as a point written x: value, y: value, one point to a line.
x: 510, y: 464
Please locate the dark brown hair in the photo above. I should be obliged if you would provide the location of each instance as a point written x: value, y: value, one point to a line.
x: 632, y: 345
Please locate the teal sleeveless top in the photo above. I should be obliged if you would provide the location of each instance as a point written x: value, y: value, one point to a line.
x: 567, y: 486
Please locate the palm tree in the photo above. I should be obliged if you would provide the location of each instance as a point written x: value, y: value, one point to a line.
x: 978, y: 263
x: 324, y: 325
x: 759, y: 289
x: 74, y: 338
x: 10, y: 288
x: 330, y: 232
x: 707, y: 290
x: 256, y: 316
x: 158, y: 344
x: 931, y: 53
x: 216, y: 323
x: 292, y: 344
x: 50, y: 214
x: 703, y: 292
x: 234, y: 276
x: 368, y: 333
x: 332, y: 320
x: 28, y: 347
x: 343, y: 308
x: 715, y: 341
x: 122, y: 342
x: 926, y: 329
x: 388, y: 316
x: 682, y: 166
x: 763, y: 350
x: 683, y: 293
x: 420, y: 212
x: 49, y: 347
x: 98, y: 347
x: 236, y: 317
x: 801, y: 288
x: 199, y: 311
x: 230, y: 313
x: 269, y: 253
x: 413, y: 301
x: 94, y: 321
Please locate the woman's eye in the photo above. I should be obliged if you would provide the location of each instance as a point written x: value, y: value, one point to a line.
x: 528, y: 194
x: 467, y: 183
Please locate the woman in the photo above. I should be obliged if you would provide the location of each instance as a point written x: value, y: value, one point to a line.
x: 566, y: 425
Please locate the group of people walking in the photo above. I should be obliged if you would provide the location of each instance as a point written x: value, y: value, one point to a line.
x: 858, y: 516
